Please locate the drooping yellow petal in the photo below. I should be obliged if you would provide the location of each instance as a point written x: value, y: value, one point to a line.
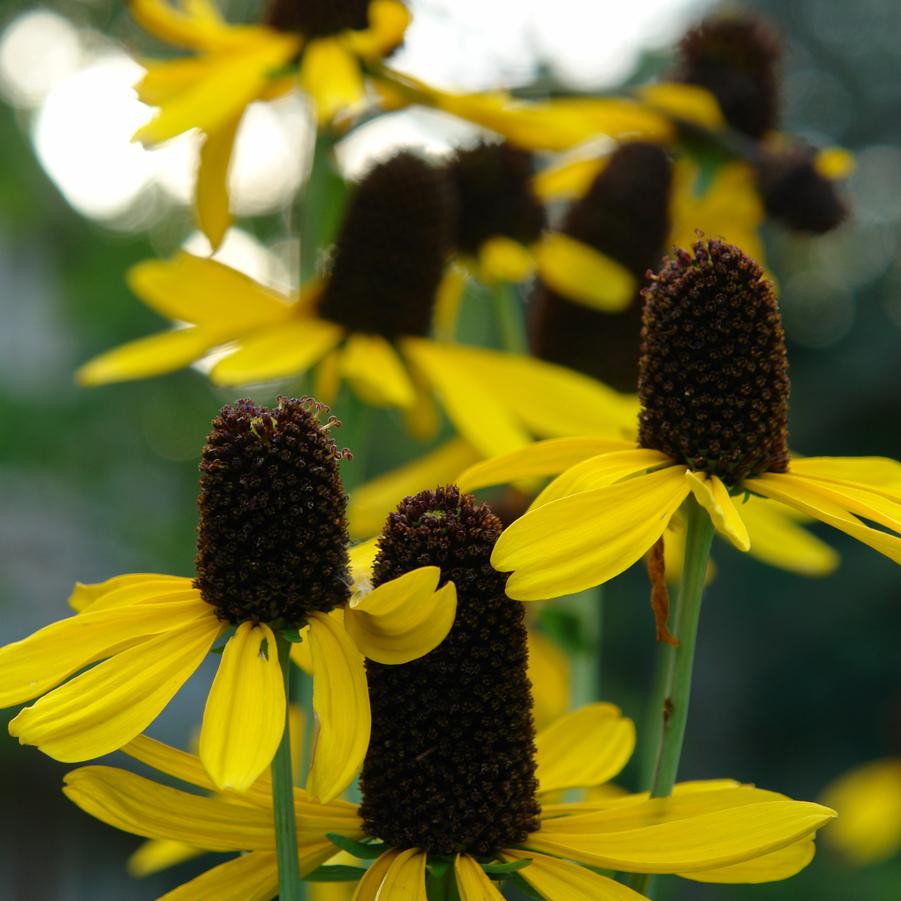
x: 388, y: 20
x: 868, y: 801
x: 549, y: 673
x: 166, y: 79
x: 682, y: 834
x: 585, y: 275
x: 879, y: 474
x: 230, y: 83
x: 568, y: 180
x: 781, y: 864
x: 331, y: 75
x: 834, y: 505
x: 142, y: 807
x: 212, y: 203
x: 834, y: 163
x: 405, y: 879
x: 779, y: 540
x: 598, y: 472
x: 552, y: 401
x: 103, y: 708
x: 712, y: 495
x: 244, y: 717
x: 341, y: 704
x: 543, y: 458
x: 588, y: 538
x: 160, y: 854
x: 208, y: 293
x: 403, y: 619
x: 300, y: 652
x: 368, y: 887
x: 559, y: 880
x: 85, y: 594
x: 472, y: 883
x: 362, y: 556
x: 374, y: 370
x: 184, y: 29
x: 448, y: 298
x: 154, y: 355
x: 30, y: 667
x: 371, y: 503
x: 470, y: 404
x: 584, y: 748
x: 688, y: 102
x: 284, y: 350
x: 505, y: 260
x: 249, y: 877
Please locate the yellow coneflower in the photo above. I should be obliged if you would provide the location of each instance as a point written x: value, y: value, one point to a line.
x: 714, y: 394
x: 367, y: 323
x: 271, y: 559
x: 233, y: 65
x: 457, y: 788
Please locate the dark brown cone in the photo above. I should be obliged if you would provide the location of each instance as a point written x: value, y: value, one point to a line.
x: 272, y: 537
x: 714, y: 383
x: 451, y: 761
x: 625, y: 216
x: 390, y: 253
x: 737, y: 58
x: 318, y: 18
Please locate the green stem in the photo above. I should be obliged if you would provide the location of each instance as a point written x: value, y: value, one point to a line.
x: 678, y: 661
x: 443, y: 887
x: 509, y: 315
x: 289, y: 882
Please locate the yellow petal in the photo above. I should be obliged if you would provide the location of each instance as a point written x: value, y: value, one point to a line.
x: 868, y: 801
x: 300, y: 652
x: 584, y: 748
x: 388, y: 20
x: 601, y: 471
x: 341, y: 703
x: 142, y: 807
x: 834, y: 507
x: 549, y: 673
x: 103, y: 708
x: 249, y: 877
x: 877, y: 473
x: 371, y: 503
x: 165, y: 759
x: 583, y: 274
x: 778, y: 539
x: 230, y: 83
x: 470, y: 404
x: 568, y: 180
x: 85, y: 594
x: 712, y: 495
x: 284, y: 350
x: 403, y: 619
x: 244, y: 716
x: 155, y: 355
x: 559, y: 880
x: 834, y: 163
x: 374, y: 370
x: 174, y: 27
x: 327, y: 377
x: 331, y: 75
x: 160, y: 854
x: 362, y: 557
x: 208, y: 293
x: 30, y: 667
x: 688, y: 102
x: 213, y: 209
x: 588, y: 538
x: 505, y: 260
x: 448, y: 298
x: 368, y: 887
x: 781, y: 864
x: 552, y: 401
x: 543, y: 458
x: 405, y: 879
x: 682, y: 834
x: 472, y: 883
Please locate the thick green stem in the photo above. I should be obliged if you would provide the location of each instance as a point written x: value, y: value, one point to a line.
x: 443, y: 887
x: 509, y: 316
x: 678, y: 661
x: 289, y: 882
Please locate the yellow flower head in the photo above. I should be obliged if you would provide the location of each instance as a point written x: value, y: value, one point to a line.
x: 714, y: 391
x: 458, y: 790
x: 271, y: 560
